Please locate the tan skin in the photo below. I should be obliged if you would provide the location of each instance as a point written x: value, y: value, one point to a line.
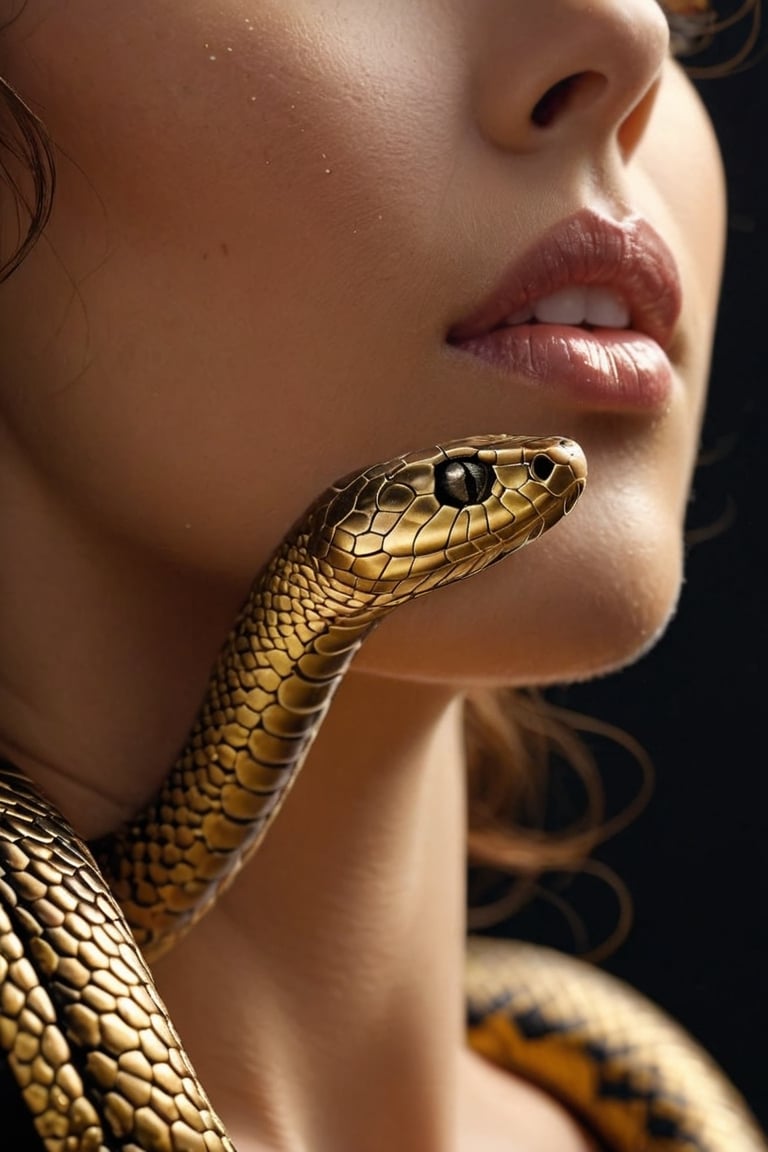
x: 244, y: 292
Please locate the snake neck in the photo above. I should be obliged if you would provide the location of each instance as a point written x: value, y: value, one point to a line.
x: 267, y: 695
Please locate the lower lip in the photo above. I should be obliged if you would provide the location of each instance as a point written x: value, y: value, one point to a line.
x: 608, y: 369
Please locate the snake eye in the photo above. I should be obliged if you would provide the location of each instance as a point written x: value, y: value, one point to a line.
x: 462, y: 482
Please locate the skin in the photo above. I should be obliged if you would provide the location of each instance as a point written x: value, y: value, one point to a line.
x: 268, y: 217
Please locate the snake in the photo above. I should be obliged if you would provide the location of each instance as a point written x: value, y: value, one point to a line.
x: 90, y: 1060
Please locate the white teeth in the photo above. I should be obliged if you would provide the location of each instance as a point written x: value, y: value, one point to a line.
x: 568, y: 306
x: 579, y: 304
x: 606, y: 309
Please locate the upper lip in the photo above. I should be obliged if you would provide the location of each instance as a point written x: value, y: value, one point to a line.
x: 587, y: 248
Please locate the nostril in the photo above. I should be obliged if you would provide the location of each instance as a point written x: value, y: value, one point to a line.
x: 571, y: 93
x: 553, y: 102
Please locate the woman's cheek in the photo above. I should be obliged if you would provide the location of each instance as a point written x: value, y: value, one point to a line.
x: 208, y: 292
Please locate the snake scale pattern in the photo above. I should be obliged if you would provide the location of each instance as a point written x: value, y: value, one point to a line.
x: 90, y: 1061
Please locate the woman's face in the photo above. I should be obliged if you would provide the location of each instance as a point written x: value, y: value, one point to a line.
x: 272, y: 221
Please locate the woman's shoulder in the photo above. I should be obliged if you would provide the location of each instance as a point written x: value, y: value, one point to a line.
x: 501, y: 1112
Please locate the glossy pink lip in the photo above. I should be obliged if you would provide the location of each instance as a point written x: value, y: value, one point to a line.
x: 607, y: 368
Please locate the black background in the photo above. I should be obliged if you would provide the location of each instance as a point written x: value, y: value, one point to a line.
x: 696, y: 861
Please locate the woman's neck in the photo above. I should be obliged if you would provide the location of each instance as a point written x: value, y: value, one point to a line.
x: 321, y: 999
x: 104, y: 656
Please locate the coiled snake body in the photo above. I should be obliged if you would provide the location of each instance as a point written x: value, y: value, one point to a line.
x: 85, y: 1040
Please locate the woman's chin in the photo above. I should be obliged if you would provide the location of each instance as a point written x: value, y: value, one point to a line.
x: 555, y: 629
x: 622, y: 647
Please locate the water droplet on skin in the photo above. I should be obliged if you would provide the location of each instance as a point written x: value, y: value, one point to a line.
x: 211, y: 57
x: 328, y: 171
x: 229, y: 49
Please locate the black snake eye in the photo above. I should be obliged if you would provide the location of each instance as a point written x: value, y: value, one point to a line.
x: 462, y: 482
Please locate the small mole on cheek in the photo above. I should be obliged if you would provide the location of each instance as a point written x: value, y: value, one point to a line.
x: 224, y: 248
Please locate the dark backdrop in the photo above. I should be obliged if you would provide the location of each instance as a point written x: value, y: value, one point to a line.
x: 696, y: 860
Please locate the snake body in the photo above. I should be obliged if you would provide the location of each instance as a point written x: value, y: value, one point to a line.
x: 85, y: 1040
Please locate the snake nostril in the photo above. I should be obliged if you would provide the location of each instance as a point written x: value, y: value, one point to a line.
x: 542, y: 467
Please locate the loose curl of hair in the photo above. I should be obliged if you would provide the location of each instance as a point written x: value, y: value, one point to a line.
x: 28, y: 170
x: 512, y: 737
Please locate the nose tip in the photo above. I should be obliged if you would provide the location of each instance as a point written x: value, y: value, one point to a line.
x: 563, y: 67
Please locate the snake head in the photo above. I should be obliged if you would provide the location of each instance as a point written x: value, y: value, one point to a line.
x: 402, y: 528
